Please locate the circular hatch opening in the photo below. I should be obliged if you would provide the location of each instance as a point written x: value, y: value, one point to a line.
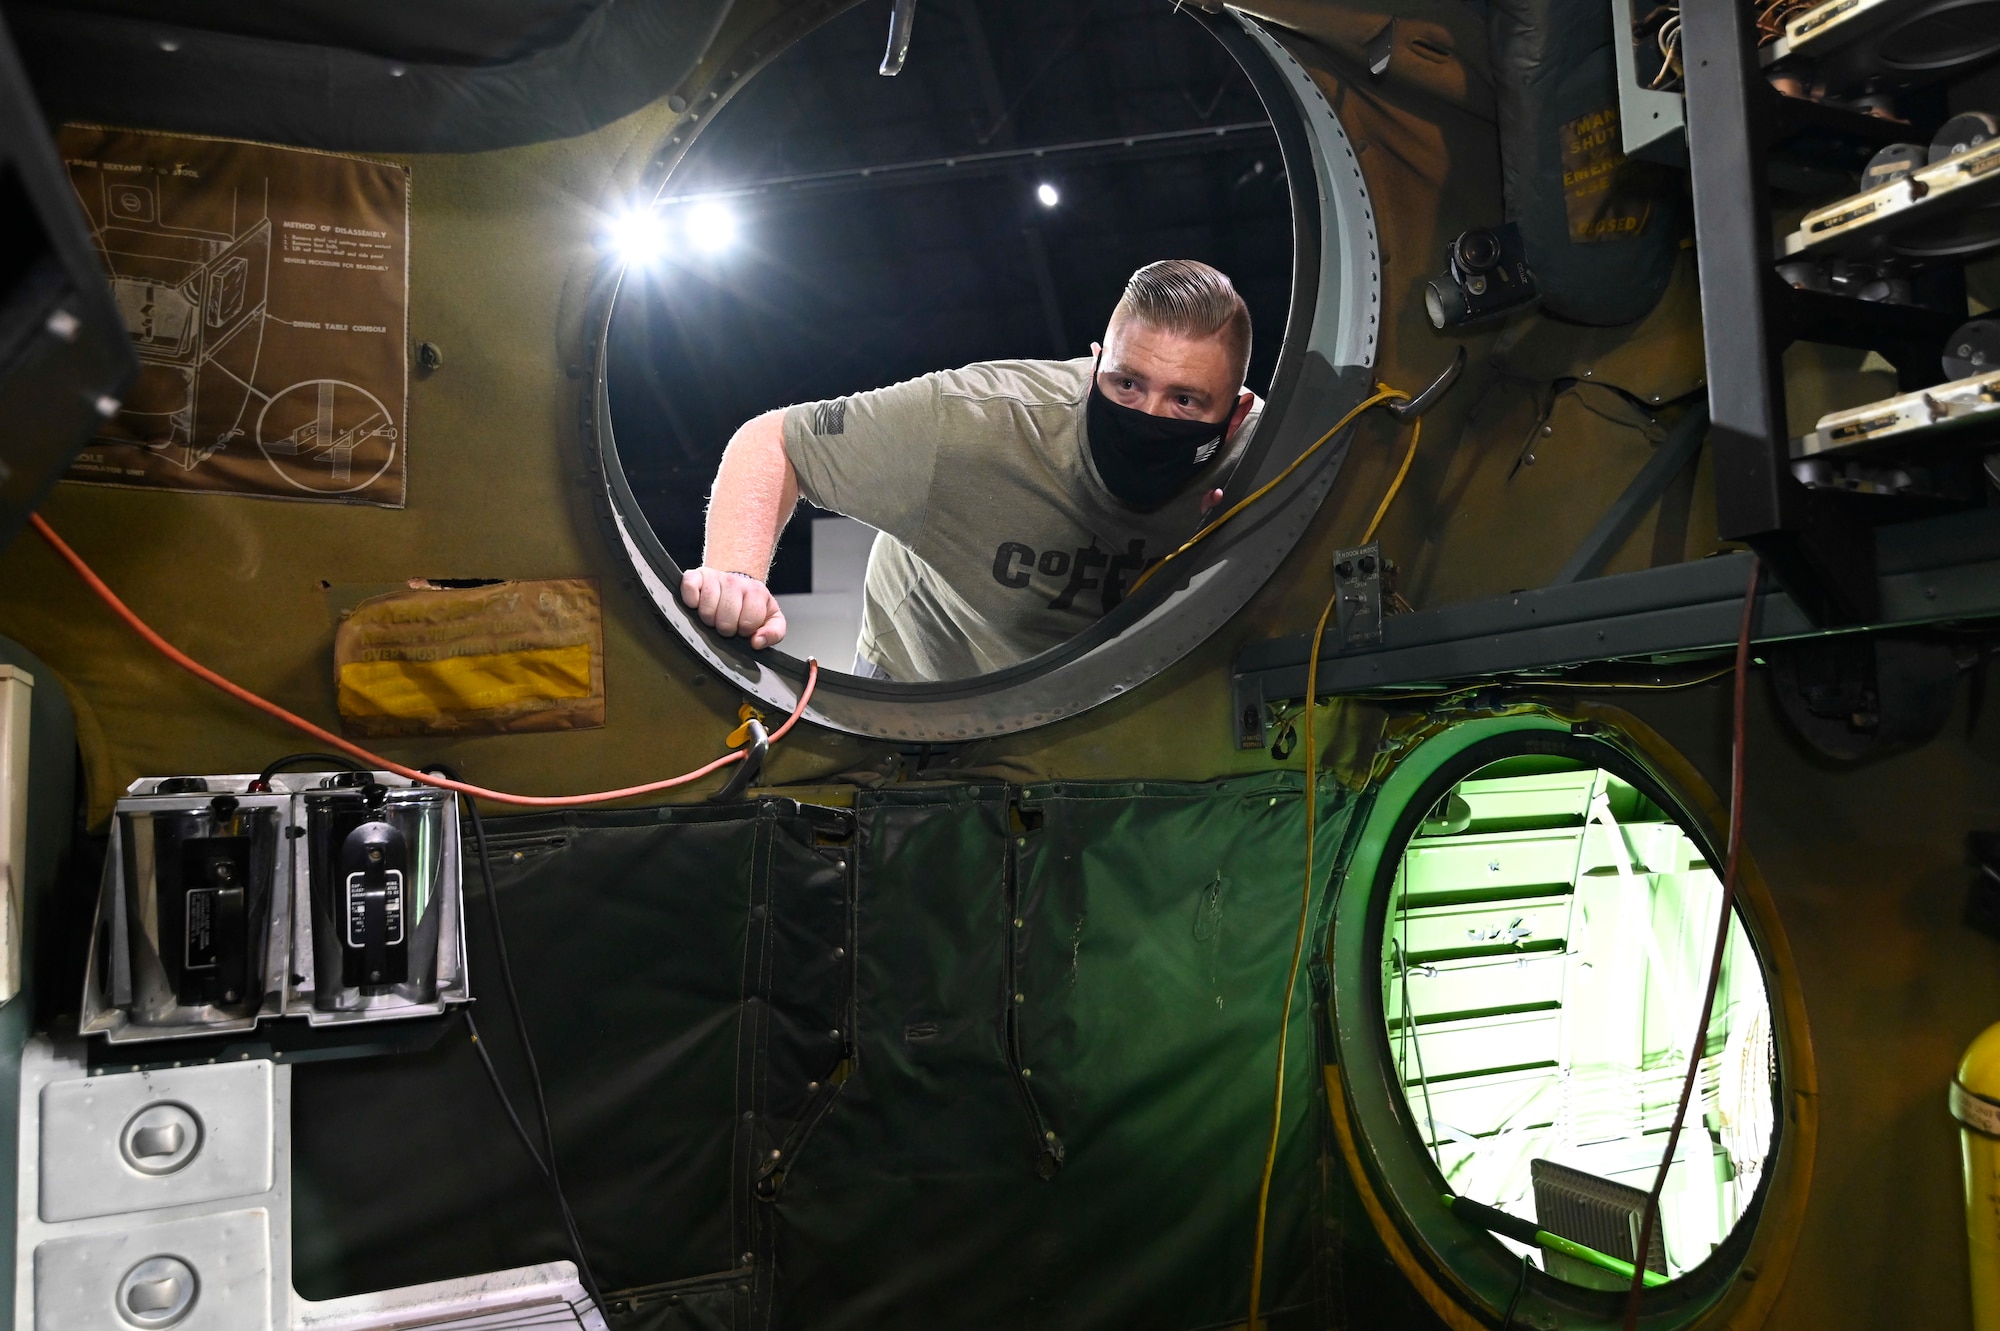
x: 1517, y: 982
x: 1318, y: 368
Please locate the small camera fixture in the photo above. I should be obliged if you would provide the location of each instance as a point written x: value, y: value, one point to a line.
x: 1486, y: 273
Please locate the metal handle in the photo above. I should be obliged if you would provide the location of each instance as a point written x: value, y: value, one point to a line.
x: 153, y: 1296
x: 1427, y: 399
x: 163, y: 1139
x: 749, y: 769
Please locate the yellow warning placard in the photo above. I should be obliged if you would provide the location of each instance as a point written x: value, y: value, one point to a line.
x: 265, y: 290
x: 1600, y: 203
x: 508, y: 656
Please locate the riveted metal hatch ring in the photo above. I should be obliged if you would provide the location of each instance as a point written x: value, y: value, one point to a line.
x: 1322, y: 370
x: 1384, y: 1114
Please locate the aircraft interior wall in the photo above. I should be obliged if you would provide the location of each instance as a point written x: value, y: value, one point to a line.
x: 991, y: 1130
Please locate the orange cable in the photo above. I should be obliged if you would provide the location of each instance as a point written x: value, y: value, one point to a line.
x: 325, y: 736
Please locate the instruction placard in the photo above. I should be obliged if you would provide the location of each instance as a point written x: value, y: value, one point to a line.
x: 265, y: 290
x: 1599, y: 193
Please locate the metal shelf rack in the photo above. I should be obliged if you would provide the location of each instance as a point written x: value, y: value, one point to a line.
x: 1819, y: 541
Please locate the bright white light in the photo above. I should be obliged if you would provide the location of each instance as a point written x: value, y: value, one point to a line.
x: 638, y: 237
x: 1047, y: 194
x: 711, y: 227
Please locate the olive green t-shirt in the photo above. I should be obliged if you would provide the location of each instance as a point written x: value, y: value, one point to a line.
x: 997, y: 539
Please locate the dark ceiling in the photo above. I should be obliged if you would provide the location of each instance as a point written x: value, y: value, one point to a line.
x: 360, y: 75
x: 505, y: 30
x: 844, y: 284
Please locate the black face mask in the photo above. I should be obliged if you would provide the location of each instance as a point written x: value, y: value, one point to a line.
x: 1146, y: 460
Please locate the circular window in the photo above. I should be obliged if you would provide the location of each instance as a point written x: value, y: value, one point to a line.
x: 1520, y: 958
x: 1330, y: 297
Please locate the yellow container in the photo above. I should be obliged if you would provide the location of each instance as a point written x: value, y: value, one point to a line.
x: 1975, y: 1103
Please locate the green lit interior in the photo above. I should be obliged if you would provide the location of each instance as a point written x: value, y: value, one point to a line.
x: 1544, y: 957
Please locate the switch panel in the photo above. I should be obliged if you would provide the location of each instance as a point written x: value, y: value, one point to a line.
x: 138, y: 1141
x: 1357, y: 583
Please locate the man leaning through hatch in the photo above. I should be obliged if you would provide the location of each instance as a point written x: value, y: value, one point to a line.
x: 1016, y: 501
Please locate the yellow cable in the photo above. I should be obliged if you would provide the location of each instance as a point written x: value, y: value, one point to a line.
x: 1382, y: 510
x: 1292, y: 975
x: 1383, y: 393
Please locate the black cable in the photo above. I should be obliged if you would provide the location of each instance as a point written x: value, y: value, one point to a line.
x: 1731, y: 861
x: 506, y: 1101
x: 338, y: 760
x: 528, y: 1053
x: 545, y: 1161
x: 1515, y: 1302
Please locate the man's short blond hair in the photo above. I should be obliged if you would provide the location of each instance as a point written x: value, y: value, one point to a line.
x: 1188, y: 297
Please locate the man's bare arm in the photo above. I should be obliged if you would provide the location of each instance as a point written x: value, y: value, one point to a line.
x: 755, y: 493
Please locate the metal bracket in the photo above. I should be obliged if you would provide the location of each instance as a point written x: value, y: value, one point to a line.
x: 749, y: 769
x: 1936, y: 570
x: 1675, y: 452
x: 1253, y: 722
x: 1357, y: 589
x: 1381, y: 49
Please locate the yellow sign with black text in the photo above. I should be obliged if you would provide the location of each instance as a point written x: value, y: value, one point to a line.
x: 1596, y: 179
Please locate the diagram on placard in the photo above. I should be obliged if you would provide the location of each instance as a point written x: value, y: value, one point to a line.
x: 194, y: 303
x: 322, y: 434
x: 266, y: 293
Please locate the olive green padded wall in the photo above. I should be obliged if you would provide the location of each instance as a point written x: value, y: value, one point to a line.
x: 1011, y: 1045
